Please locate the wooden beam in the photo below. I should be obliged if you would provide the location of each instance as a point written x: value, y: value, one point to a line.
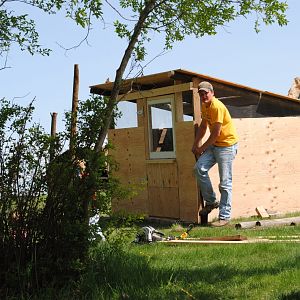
x: 226, y: 238
x: 178, y: 107
x: 156, y: 92
x: 141, y: 112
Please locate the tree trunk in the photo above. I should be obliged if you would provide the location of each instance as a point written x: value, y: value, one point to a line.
x: 149, y: 6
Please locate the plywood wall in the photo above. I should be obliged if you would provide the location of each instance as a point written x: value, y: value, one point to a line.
x: 129, y: 152
x: 267, y: 167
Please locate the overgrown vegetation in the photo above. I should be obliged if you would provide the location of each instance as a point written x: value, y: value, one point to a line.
x: 45, y: 206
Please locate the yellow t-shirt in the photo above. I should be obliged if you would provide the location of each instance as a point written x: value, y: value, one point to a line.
x: 217, y: 112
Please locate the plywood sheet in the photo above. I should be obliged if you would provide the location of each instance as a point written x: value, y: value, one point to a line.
x: 267, y: 168
x: 129, y: 152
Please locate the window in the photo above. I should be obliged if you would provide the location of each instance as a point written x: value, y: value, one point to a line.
x: 161, y: 121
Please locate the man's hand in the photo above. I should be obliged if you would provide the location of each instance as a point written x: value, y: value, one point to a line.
x: 197, y: 151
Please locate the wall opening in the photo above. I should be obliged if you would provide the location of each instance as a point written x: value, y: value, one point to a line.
x: 128, y: 117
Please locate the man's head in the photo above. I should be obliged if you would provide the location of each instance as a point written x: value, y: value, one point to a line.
x: 206, y: 91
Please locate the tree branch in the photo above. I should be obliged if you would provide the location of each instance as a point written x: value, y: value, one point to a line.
x: 117, y: 11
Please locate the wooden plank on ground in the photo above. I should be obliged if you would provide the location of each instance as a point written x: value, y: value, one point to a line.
x: 237, y: 237
x: 219, y: 242
x: 262, y: 213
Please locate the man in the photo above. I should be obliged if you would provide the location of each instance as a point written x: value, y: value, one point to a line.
x: 220, y: 148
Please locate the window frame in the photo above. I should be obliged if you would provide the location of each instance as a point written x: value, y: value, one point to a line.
x: 161, y: 100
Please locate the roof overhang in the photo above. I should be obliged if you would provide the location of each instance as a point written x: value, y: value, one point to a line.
x: 168, y: 78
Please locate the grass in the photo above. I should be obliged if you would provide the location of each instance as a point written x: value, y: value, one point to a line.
x: 209, y: 272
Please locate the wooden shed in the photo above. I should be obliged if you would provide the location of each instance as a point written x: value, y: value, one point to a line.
x: 155, y: 156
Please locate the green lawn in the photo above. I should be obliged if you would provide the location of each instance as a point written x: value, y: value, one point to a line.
x: 161, y: 271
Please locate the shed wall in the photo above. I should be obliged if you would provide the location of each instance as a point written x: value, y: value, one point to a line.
x: 267, y: 167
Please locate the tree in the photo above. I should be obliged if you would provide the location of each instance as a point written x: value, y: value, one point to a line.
x: 173, y: 19
x: 176, y: 20
x: 20, y: 29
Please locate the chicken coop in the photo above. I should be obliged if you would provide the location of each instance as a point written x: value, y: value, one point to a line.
x: 155, y: 157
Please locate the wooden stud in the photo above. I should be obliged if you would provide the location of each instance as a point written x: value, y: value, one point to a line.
x: 141, y: 112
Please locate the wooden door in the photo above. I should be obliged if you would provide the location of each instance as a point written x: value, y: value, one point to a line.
x: 129, y: 153
x: 163, y: 197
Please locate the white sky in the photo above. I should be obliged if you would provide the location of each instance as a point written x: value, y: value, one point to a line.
x: 267, y: 61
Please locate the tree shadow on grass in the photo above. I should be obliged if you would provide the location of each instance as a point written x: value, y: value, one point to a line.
x: 117, y: 274
x: 292, y: 296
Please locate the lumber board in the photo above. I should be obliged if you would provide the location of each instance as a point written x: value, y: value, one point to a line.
x: 218, y: 242
x: 156, y: 92
x: 237, y: 237
x: 178, y: 107
x: 262, y: 212
x: 141, y: 112
x: 188, y: 192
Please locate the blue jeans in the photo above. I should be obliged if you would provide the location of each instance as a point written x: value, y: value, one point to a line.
x: 224, y: 157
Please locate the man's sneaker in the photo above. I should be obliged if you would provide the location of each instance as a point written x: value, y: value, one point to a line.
x: 220, y: 223
x: 209, y: 207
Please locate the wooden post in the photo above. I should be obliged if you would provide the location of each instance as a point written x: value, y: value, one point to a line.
x: 53, y: 133
x: 74, y: 108
x: 53, y: 124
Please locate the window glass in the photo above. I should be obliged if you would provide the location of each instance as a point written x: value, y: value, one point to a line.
x: 161, y: 133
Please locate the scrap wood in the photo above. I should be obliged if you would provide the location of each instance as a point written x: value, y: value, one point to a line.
x: 261, y: 211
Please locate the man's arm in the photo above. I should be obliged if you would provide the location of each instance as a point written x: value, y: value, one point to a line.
x: 215, y: 132
x: 201, y: 130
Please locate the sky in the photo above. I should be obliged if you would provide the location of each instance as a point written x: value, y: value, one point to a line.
x: 267, y: 61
